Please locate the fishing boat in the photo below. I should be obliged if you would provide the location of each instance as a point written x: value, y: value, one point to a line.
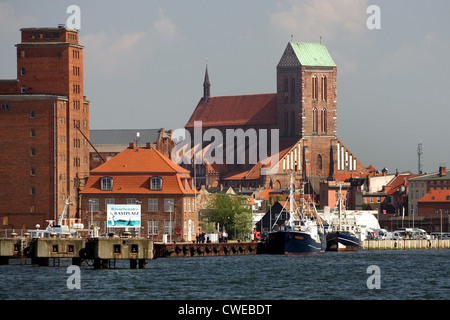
x: 343, y: 233
x: 302, y: 232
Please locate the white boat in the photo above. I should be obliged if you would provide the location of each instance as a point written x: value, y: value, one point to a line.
x: 59, y: 230
x: 347, y: 228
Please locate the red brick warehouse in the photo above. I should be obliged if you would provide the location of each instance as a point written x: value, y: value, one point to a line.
x: 44, y: 129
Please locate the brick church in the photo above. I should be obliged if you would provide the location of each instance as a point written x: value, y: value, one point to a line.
x: 44, y: 130
x: 303, y: 110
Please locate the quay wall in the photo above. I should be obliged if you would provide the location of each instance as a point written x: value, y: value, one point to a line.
x: 406, y: 244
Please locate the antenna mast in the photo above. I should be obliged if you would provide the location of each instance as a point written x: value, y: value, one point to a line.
x: 419, y: 155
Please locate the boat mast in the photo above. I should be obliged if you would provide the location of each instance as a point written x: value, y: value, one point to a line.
x: 291, y: 198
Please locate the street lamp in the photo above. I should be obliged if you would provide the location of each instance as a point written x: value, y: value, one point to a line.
x: 92, y: 217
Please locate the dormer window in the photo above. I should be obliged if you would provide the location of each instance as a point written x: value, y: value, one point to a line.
x: 156, y: 183
x: 106, y: 183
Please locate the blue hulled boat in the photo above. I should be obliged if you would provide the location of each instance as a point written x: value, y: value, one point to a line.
x: 343, y: 233
x: 302, y: 232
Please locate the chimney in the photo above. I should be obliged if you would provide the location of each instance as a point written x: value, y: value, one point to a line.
x: 149, y: 145
x: 442, y: 171
x: 131, y: 145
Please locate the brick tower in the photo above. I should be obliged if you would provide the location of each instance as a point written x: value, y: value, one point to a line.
x: 306, y: 91
x: 45, y: 129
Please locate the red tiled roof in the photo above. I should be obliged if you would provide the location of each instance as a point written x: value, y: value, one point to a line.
x: 400, y: 180
x: 137, y: 184
x: 236, y: 110
x: 131, y: 171
x: 436, y: 196
x: 140, y: 160
x: 264, y: 194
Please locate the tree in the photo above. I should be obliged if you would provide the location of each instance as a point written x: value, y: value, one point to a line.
x: 230, y: 212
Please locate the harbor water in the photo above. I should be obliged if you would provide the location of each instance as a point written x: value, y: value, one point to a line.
x: 403, y: 275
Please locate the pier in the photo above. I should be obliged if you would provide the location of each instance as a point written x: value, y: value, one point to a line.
x: 42, y: 250
x: 105, y: 251
x: 204, y: 249
x: 406, y: 244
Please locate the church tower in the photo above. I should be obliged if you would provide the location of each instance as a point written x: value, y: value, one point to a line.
x: 306, y: 91
x: 206, y: 86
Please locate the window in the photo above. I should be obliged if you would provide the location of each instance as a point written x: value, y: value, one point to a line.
x: 152, y: 205
x: 5, y: 106
x: 168, y: 205
x: 32, y: 171
x: 109, y: 201
x: 324, y: 88
x: 32, y: 114
x: 152, y: 227
x: 319, y: 163
x: 323, y: 122
x: 32, y: 152
x: 155, y: 183
x: 168, y: 227
x: 315, y: 120
x: 94, y: 205
x: 32, y: 133
x: 292, y: 90
x: 22, y: 71
x: 131, y: 201
x: 32, y: 190
x: 23, y: 89
x: 314, y: 87
x: 286, y: 90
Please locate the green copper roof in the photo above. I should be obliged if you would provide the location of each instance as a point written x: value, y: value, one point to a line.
x: 312, y: 54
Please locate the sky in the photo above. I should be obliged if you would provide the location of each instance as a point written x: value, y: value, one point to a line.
x: 144, y: 63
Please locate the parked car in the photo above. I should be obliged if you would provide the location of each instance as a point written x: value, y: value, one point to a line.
x: 393, y: 235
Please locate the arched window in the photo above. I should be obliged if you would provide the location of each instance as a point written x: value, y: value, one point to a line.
x: 286, y: 123
x: 156, y: 183
x: 323, y: 121
x: 106, y: 183
x: 314, y: 87
x: 286, y: 90
x: 292, y: 123
x: 292, y: 90
x: 314, y: 120
x: 324, y: 88
x: 319, y: 163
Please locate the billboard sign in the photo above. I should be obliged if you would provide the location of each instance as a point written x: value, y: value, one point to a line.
x: 123, y: 215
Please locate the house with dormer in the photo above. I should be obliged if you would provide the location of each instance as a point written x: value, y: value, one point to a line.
x: 143, y: 176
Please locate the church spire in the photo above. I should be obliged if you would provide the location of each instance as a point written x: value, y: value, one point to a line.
x: 206, y: 84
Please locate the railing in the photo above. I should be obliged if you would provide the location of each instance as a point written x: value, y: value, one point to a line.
x: 6, y: 233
